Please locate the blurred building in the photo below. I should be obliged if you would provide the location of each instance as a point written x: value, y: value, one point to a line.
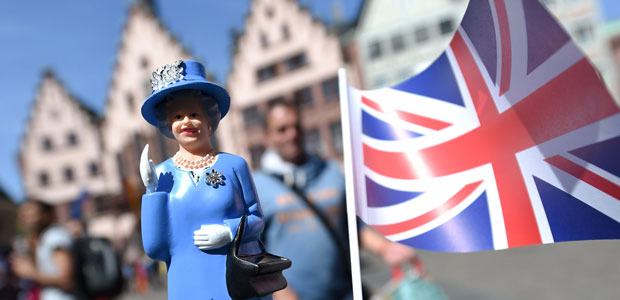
x: 284, y: 53
x: 145, y: 45
x: 61, y: 150
x: 8, y: 215
x: 584, y: 22
x: 399, y: 38
x: 612, y: 34
x: 85, y: 164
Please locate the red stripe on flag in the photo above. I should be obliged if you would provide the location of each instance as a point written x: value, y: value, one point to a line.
x: 393, y: 164
x: 409, y: 117
x: 500, y: 135
x: 506, y: 53
x: 422, y: 120
x: 586, y: 175
x: 372, y: 104
x: 429, y: 216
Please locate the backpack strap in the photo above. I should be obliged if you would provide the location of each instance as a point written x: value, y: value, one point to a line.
x: 330, y: 229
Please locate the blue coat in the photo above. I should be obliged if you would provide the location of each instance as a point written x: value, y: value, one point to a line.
x: 179, y: 207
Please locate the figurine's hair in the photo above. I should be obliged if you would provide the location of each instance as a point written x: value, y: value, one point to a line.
x: 208, y: 102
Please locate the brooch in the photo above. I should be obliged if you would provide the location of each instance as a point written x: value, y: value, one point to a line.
x: 215, y: 178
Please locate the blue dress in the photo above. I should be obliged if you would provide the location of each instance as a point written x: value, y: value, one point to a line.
x: 180, y: 206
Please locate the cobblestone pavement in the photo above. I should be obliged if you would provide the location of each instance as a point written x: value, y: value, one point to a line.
x: 159, y: 294
x: 576, y: 270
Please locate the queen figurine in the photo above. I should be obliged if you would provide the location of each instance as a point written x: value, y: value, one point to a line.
x: 194, y: 200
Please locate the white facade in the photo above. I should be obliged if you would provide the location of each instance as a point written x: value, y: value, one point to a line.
x: 145, y: 46
x: 399, y: 38
x: 61, y: 149
x: 582, y: 19
x: 104, y: 160
x: 283, y: 52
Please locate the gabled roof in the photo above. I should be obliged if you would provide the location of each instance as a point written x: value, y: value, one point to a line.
x: 338, y: 29
x: 48, y: 74
x: 94, y: 117
x: 149, y: 7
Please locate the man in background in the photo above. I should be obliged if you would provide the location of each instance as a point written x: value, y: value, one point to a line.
x: 47, y: 258
x: 293, y: 229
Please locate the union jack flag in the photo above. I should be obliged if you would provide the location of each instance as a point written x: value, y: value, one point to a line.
x: 508, y: 139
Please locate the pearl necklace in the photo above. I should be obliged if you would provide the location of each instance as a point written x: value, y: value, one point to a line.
x: 201, y: 163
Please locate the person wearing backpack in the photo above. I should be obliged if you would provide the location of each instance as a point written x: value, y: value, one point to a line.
x: 97, y: 268
x: 49, y: 264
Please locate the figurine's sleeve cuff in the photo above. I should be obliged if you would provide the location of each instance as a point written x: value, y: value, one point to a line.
x: 155, y: 225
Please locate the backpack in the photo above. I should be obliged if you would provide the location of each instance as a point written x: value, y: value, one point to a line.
x: 97, y: 268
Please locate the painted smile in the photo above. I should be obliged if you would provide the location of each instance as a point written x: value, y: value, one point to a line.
x: 189, y: 131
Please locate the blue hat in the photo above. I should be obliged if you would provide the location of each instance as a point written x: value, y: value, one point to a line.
x: 182, y: 75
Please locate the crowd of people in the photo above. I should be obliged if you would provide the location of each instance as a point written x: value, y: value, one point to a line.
x: 49, y: 260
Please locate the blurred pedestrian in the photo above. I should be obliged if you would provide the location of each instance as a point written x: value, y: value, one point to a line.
x: 8, y: 282
x: 311, y: 232
x: 49, y: 264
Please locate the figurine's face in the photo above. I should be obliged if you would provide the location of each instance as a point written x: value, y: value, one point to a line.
x: 189, y: 122
x: 284, y: 133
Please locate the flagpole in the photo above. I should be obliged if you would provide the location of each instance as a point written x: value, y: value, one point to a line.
x: 356, y: 276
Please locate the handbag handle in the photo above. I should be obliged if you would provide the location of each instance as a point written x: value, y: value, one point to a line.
x: 238, y: 235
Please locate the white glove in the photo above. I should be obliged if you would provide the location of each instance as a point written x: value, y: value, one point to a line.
x: 147, y: 171
x: 212, y: 236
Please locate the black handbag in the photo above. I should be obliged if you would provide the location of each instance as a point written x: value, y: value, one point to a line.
x: 253, y: 275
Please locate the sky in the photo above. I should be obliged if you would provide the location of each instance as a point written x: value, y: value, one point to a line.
x: 79, y: 40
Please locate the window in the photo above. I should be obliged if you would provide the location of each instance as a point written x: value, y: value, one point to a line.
x: 269, y: 12
x: 584, y: 32
x: 44, y: 179
x: 72, y: 139
x: 264, y: 42
x: 122, y: 172
x: 129, y: 99
x: 275, y: 99
x: 446, y: 26
x: 144, y: 63
x: 47, y: 144
x: 303, y: 97
x: 330, y: 89
x: 286, y: 33
x: 398, y: 43
x: 266, y: 73
x: 421, y: 34
x: 374, y: 50
x: 252, y: 116
x: 93, y: 169
x: 138, y: 142
x: 256, y: 153
x: 295, y: 62
x: 68, y: 174
x: 313, y: 142
x: 403, y: 74
x: 336, y: 134
x: 379, y: 82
